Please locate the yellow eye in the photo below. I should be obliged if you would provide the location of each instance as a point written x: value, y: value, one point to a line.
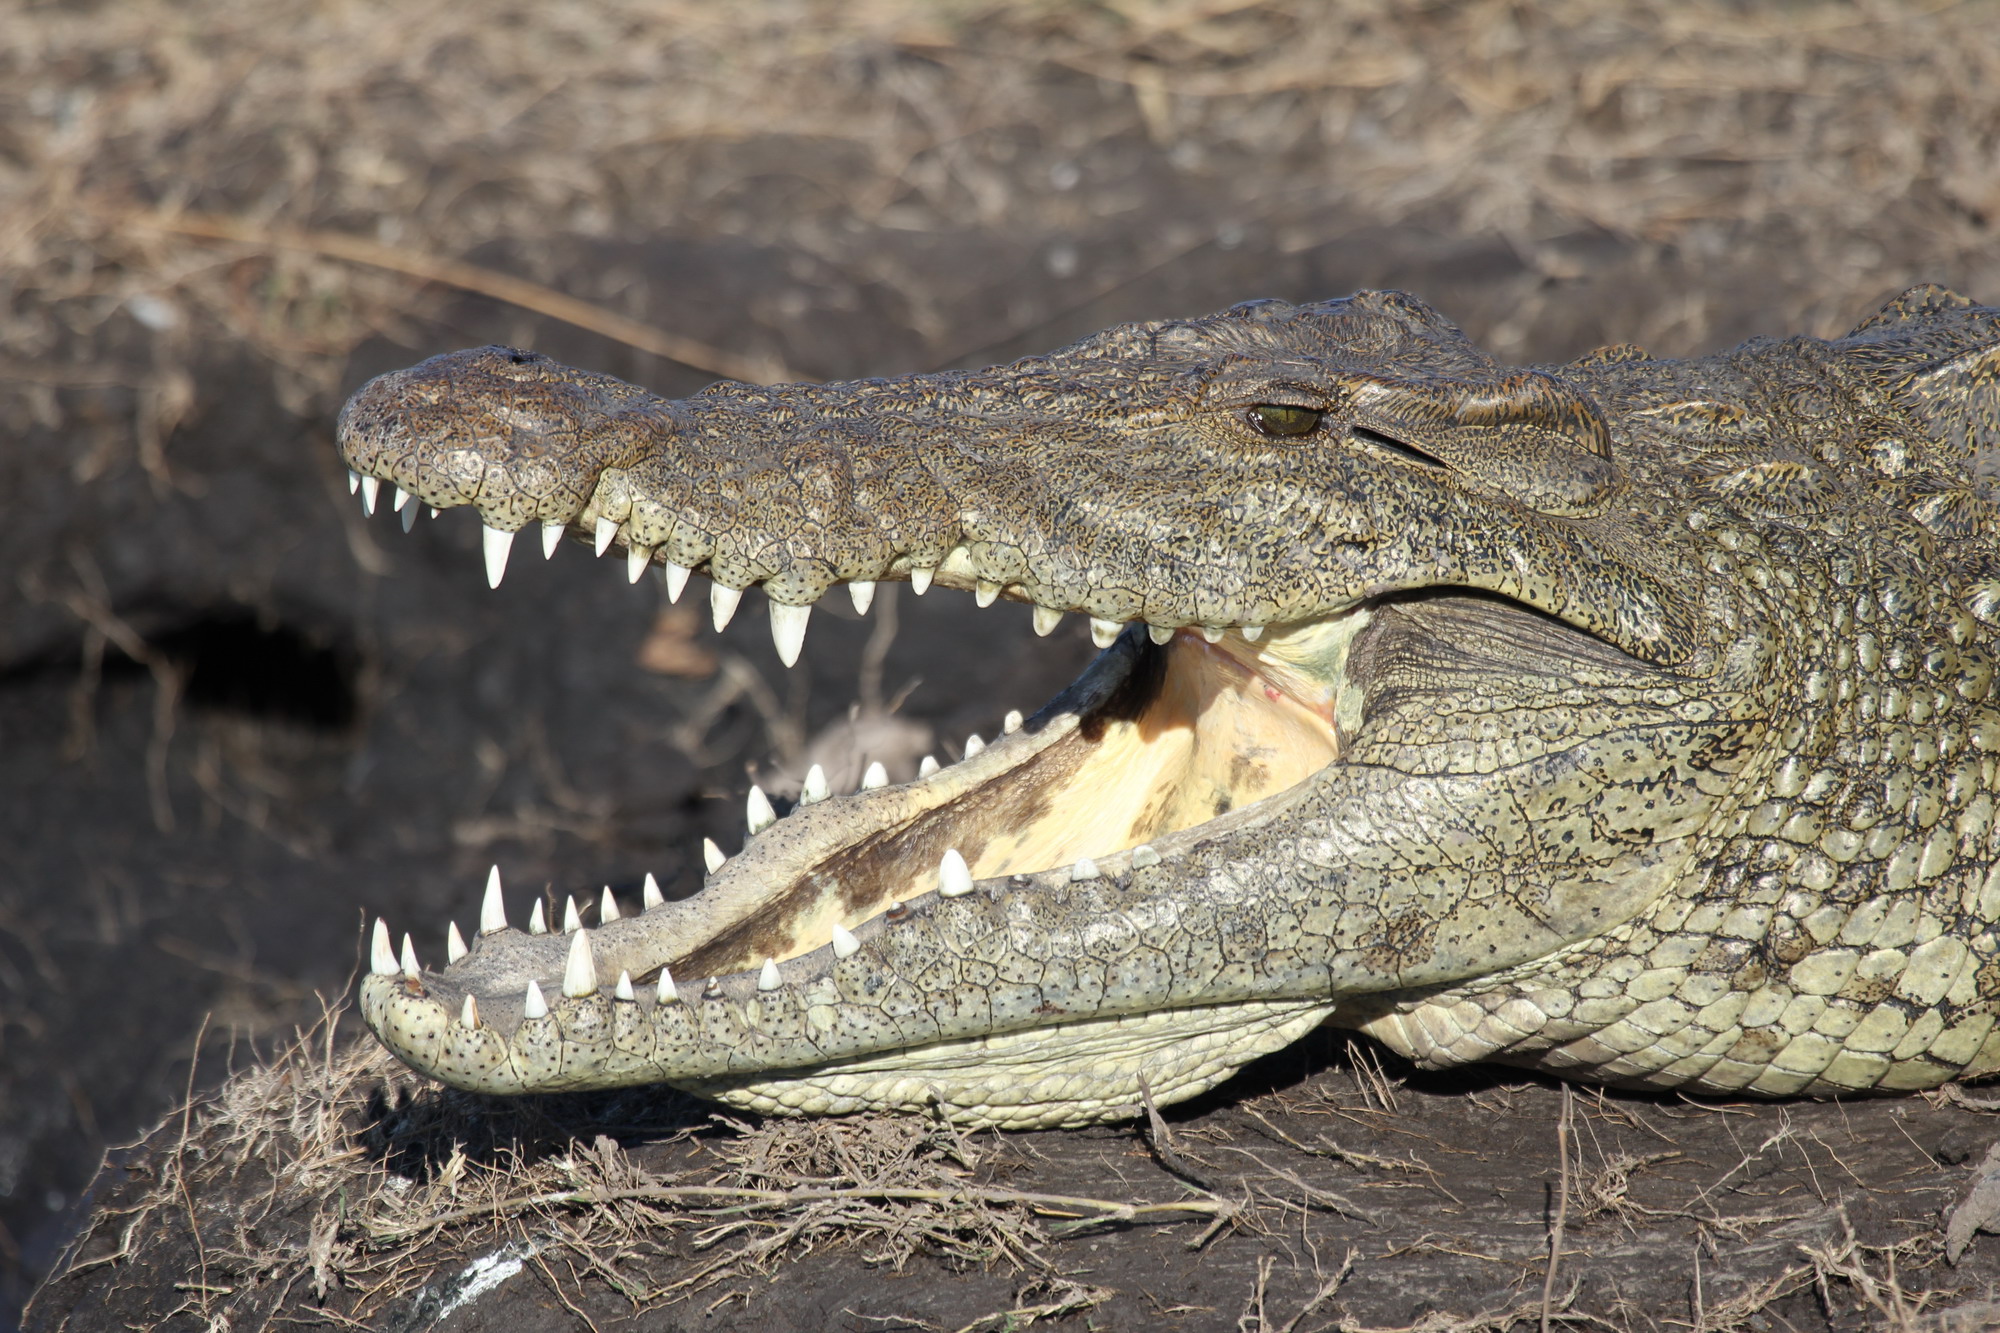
x: 1281, y: 421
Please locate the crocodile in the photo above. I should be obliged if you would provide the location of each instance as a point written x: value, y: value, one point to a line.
x: 1628, y: 719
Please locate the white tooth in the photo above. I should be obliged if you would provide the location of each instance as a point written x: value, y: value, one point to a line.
x: 677, y: 579
x: 607, y: 907
x: 552, y: 535
x: 1046, y: 620
x: 409, y: 518
x: 1211, y: 634
x: 624, y: 990
x: 410, y: 966
x: 572, y: 919
x: 537, y: 923
x: 1085, y: 868
x: 434, y: 511
x: 767, y: 977
x: 605, y: 533
x: 468, y: 1017
x: 651, y: 896
x: 1012, y: 722
x: 1143, y: 855
x: 493, y: 908
x: 954, y: 878
x: 844, y: 943
x: 382, y: 954
x: 637, y: 557
x: 722, y: 603
x: 788, y: 630
x: 758, y: 813
x: 815, y: 788
x: 353, y: 481
x: 973, y: 745
x: 580, y: 972
x: 920, y: 580
x: 498, y: 543
x: 928, y: 767
x: 985, y: 593
x: 370, y: 488
x: 1102, y: 632
x: 711, y: 855
x: 402, y: 499
x: 874, y: 776
x: 667, y: 992
x: 1159, y: 633
x: 862, y: 591
x: 534, y: 1006
x: 1253, y: 632
x: 454, y: 945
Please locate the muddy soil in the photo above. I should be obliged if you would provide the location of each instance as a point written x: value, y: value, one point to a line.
x: 236, y: 718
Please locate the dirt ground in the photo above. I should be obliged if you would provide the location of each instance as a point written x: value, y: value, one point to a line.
x: 236, y: 717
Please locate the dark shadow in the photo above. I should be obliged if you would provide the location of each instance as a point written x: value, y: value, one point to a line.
x: 416, y: 1131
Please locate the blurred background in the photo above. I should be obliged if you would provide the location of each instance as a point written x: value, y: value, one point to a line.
x: 235, y: 716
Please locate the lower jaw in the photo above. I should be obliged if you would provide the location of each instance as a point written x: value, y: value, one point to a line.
x: 1059, y: 1077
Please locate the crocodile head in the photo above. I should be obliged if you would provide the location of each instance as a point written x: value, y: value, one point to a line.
x: 1427, y: 686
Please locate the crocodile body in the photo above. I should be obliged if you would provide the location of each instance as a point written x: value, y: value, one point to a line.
x: 1629, y: 719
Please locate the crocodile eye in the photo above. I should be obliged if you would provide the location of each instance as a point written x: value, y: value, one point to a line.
x: 1278, y: 420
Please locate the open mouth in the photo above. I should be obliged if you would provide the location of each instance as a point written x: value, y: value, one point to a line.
x: 1167, y: 736
x: 1152, y: 742
x: 1165, y: 733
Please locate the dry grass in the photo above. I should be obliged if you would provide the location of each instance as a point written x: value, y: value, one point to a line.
x: 173, y: 174
x: 323, y: 1183
x: 328, y: 1186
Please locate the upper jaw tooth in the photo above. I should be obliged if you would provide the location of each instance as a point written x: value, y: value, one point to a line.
x: 722, y: 602
x: 788, y: 630
x: 677, y: 579
x: 497, y: 543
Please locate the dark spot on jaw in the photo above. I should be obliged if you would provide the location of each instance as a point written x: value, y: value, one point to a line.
x: 1134, y: 695
x: 1245, y: 772
x: 1223, y: 805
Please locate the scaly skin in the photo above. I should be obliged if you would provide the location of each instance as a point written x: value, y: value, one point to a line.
x: 1658, y: 698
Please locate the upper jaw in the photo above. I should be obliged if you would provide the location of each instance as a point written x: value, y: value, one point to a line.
x: 799, y: 487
